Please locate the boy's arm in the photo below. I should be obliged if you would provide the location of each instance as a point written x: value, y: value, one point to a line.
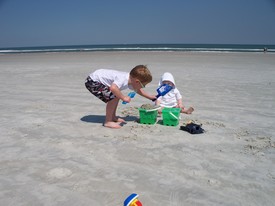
x: 116, y: 91
x: 146, y: 95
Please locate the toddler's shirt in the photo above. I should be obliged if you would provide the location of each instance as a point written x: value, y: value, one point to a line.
x: 170, y: 99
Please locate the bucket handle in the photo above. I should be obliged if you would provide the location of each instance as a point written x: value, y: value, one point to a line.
x: 150, y: 110
x: 177, y: 118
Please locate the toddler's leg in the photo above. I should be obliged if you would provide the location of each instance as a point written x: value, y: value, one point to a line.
x: 187, y: 111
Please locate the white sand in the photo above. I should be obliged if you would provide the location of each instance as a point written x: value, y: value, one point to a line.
x: 55, y: 151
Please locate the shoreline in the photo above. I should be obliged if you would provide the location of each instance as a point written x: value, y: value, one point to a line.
x: 141, y: 51
x: 147, y: 47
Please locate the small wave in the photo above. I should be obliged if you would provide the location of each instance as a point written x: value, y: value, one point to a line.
x: 144, y: 47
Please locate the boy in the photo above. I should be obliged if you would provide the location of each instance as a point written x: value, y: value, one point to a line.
x: 172, y: 98
x: 107, y: 85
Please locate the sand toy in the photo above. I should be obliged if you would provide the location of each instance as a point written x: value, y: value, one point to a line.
x: 132, y: 200
x: 131, y: 95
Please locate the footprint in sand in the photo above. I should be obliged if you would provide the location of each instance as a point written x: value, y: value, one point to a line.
x: 213, y: 182
x: 271, y: 176
x: 59, y: 173
x: 259, y: 144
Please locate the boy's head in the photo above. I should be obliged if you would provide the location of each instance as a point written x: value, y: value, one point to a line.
x: 142, y: 74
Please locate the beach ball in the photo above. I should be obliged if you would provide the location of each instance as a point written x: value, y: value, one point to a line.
x: 132, y: 200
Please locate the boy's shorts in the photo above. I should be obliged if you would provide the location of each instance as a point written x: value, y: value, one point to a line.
x: 99, y: 90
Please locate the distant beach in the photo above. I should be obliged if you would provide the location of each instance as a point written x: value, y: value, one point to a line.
x: 55, y: 151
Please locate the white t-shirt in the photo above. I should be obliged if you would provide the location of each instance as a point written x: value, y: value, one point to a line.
x: 108, y: 76
x: 170, y: 99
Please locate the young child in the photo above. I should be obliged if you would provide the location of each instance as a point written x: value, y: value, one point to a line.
x: 107, y: 85
x: 172, y: 98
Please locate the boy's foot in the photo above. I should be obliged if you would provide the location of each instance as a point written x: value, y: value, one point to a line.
x: 119, y: 120
x: 114, y: 125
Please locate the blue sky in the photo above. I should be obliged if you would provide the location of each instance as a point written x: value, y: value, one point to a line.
x: 81, y: 22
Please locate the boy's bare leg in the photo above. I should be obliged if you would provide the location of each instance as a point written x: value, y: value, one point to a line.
x: 110, y: 112
x: 115, y: 118
x: 187, y: 111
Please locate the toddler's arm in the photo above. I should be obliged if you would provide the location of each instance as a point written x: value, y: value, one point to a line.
x: 157, y: 102
x: 179, y: 103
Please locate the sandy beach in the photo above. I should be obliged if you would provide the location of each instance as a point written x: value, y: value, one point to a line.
x: 55, y: 151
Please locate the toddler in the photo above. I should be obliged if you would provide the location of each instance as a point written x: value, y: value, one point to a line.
x: 172, y: 98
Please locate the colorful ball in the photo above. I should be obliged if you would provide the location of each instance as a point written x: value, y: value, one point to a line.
x: 132, y: 200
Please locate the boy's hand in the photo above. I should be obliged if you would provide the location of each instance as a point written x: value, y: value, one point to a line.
x: 126, y: 99
x: 153, y: 98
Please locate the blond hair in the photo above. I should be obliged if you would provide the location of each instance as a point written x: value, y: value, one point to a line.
x: 142, y: 73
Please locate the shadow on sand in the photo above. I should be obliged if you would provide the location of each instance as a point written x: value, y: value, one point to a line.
x: 101, y: 118
x: 93, y: 118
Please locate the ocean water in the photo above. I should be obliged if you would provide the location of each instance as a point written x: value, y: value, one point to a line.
x: 145, y: 47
